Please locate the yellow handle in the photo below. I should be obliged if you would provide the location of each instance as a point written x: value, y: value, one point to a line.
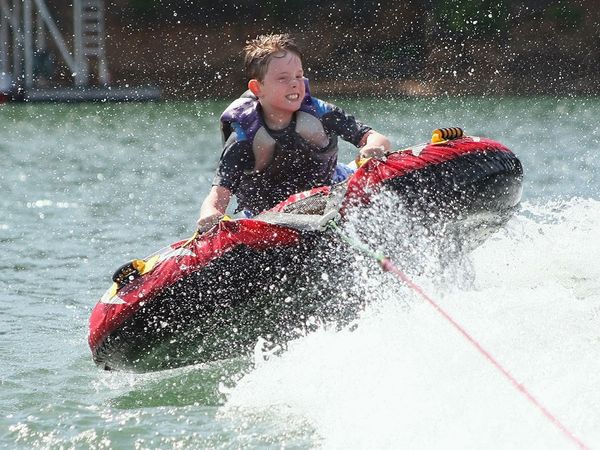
x: 360, y: 161
x: 444, y: 134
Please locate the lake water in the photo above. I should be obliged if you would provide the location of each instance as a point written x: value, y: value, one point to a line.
x: 85, y: 188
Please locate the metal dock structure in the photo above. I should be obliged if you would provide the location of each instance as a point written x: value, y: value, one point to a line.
x: 30, y: 42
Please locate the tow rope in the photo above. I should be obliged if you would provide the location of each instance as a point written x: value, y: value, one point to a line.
x: 388, y: 266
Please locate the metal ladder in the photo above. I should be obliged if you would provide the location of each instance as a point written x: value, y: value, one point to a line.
x: 18, y: 41
x: 89, y: 39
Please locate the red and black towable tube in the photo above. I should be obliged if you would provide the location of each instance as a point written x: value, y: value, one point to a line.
x: 212, y: 296
x: 187, y: 284
x: 466, y: 174
x: 442, y: 179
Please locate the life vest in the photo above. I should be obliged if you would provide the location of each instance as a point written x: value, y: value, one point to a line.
x: 301, y: 157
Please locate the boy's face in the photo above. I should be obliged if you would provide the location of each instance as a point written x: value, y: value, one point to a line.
x: 282, y: 89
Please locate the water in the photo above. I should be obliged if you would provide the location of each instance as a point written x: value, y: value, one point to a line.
x: 87, y: 187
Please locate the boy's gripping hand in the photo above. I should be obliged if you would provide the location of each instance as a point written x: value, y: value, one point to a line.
x: 374, y: 145
x: 213, y: 208
x: 372, y: 151
x: 206, y: 223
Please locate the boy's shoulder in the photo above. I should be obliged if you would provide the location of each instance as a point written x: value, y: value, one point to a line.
x: 244, y: 106
x: 242, y: 116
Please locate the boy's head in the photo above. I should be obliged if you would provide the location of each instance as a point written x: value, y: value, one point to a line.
x: 274, y: 65
x: 259, y: 52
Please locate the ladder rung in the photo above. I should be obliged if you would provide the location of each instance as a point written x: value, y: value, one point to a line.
x: 89, y: 43
x: 96, y: 53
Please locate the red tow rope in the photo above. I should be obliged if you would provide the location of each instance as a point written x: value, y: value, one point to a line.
x: 388, y: 266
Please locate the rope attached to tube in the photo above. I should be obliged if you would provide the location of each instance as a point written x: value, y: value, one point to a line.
x: 388, y: 266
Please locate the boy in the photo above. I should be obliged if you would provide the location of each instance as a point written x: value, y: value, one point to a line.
x: 278, y: 139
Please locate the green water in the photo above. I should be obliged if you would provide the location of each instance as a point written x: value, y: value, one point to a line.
x: 85, y: 188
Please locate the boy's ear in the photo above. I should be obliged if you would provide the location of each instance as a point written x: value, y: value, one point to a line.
x: 254, y: 86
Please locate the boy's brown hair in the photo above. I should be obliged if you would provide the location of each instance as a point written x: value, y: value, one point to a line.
x: 259, y: 52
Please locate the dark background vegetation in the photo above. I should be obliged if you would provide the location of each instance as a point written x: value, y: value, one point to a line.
x: 192, y: 48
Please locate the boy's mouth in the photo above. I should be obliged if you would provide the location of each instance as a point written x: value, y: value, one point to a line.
x: 292, y: 97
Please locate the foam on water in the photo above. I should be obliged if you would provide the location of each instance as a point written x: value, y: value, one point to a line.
x: 404, y: 378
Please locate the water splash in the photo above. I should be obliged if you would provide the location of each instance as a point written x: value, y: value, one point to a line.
x: 404, y: 378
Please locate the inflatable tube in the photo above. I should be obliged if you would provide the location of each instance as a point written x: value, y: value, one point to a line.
x: 212, y: 296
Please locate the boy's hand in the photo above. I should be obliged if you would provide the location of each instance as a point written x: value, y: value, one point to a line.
x: 372, y: 151
x: 213, y: 208
x: 206, y: 223
x: 374, y: 145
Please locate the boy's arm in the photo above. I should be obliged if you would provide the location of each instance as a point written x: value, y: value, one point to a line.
x: 213, y: 208
x: 335, y: 120
x: 235, y: 158
x: 374, y: 145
